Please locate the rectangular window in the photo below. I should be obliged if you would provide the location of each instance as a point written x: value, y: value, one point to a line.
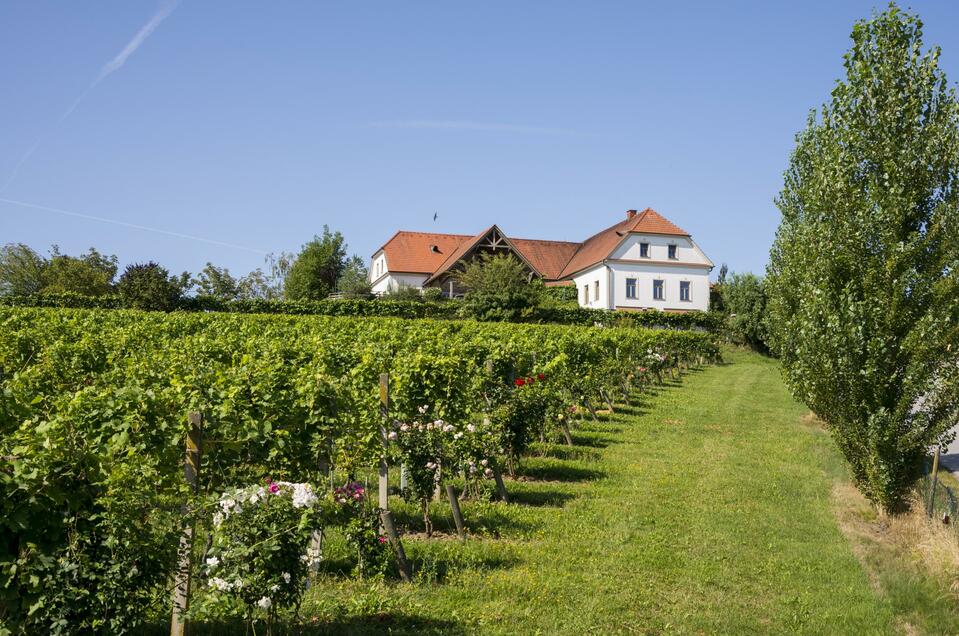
x: 644, y: 250
x: 585, y: 294
x: 630, y: 288
x: 596, y: 290
x: 658, y: 290
x: 672, y: 251
x: 684, y: 290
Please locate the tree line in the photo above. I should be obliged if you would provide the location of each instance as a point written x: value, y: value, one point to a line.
x: 319, y: 269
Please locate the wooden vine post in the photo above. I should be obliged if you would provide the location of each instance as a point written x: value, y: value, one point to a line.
x: 384, y: 423
x: 181, y: 583
x: 935, y: 481
x: 500, y: 486
x: 457, y: 513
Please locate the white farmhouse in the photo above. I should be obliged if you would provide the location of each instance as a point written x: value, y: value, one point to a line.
x: 642, y: 262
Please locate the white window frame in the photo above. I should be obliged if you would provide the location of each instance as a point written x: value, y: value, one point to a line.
x: 631, y: 282
x: 659, y: 284
x: 684, y: 285
x: 596, y: 291
x: 672, y: 252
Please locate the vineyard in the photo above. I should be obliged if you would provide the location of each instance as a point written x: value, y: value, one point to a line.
x: 288, y: 414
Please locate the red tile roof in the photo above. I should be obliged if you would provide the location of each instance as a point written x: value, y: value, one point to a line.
x: 549, y: 257
x: 432, y: 253
x: 411, y: 251
x: 599, y: 246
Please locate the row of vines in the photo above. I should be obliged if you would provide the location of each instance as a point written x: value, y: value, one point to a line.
x: 94, y: 414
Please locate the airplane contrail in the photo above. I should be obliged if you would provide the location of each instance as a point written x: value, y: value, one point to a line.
x: 135, y: 226
x: 162, y: 13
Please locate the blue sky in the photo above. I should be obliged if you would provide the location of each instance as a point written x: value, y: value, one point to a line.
x: 253, y: 124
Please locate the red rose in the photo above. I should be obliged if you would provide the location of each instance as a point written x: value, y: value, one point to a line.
x: 541, y: 376
x: 530, y: 380
x: 519, y: 382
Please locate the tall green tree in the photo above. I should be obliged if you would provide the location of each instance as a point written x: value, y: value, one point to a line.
x: 314, y: 273
x: 90, y: 274
x: 745, y: 301
x: 863, y: 280
x: 21, y: 270
x: 150, y: 286
x: 217, y: 282
x: 498, y: 288
x: 354, y: 282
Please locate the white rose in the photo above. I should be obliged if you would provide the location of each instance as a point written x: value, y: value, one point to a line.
x: 265, y: 602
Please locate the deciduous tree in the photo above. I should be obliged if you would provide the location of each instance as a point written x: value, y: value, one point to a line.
x: 863, y: 279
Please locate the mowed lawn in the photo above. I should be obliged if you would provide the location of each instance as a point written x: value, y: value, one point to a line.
x: 704, y: 507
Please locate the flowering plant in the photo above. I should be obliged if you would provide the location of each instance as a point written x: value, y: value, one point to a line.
x: 427, y: 449
x: 259, y: 558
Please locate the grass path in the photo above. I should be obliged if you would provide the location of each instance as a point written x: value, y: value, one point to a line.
x: 703, y: 508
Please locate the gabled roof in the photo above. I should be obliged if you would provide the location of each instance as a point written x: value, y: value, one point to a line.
x: 549, y: 257
x: 599, y: 246
x: 460, y: 251
x: 420, y: 252
x: 433, y: 254
x: 544, y: 253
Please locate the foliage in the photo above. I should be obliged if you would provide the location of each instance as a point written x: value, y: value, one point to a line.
x: 388, y: 305
x: 497, y: 288
x: 21, y: 270
x: 317, y: 268
x: 560, y: 295
x: 90, y: 274
x: 745, y: 299
x: 93, y: 408
x: 354, y: 281
x: 433, y: 295
x: 258, y: 562
x: 217, y: 282
x: 403, y: 293
x: 863, y: 280
x: 716, y: 291
x: 150, y: 286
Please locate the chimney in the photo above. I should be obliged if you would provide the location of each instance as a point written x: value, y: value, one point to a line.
x: 630, y: 214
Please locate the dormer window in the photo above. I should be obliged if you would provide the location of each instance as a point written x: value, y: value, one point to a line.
x: 672, y: 252
x: 644, y: 250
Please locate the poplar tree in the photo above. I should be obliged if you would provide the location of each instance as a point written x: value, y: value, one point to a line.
x: 863, y: 280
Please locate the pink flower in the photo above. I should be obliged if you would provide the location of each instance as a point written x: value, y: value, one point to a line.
x: 274, y: 488
x: 381, y: 539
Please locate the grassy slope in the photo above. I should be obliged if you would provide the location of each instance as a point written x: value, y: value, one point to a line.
x: 705, y: 509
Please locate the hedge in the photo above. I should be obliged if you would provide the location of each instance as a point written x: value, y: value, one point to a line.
x: 707, y: 321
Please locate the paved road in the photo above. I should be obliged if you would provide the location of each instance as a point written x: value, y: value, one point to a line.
x: 950, y: 456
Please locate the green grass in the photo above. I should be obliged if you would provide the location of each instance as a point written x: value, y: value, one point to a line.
x: 704, y: 507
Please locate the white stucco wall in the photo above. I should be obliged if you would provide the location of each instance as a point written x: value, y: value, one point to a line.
x: 395, y: 281
x: 671, y: 275
x: 686, y: 250
x: 378, y: 265
x: 600, y: 274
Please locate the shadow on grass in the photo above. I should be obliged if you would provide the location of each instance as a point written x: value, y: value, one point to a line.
x: 562, y: 451
x: 380, y: 623
x: 590, y: 441
x: 436, y: 570
x: 493, y: 520
x: 558, y: 472
x: 541, y: 498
